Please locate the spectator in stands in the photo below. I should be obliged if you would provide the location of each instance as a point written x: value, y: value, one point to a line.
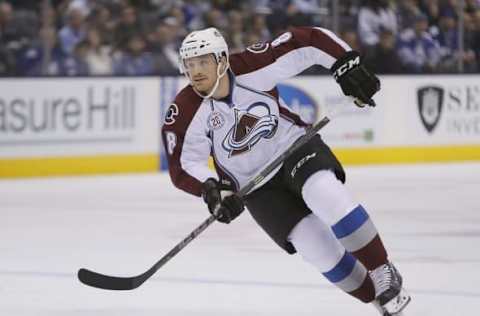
x: 163, y: 45
x: 235, y: 31
x: 449, y: 41
x: 128, y: 27
x: 98, y: 55
x: 351, y: 38
x: 307, y: 6
x: 407, y: 10
x: 85, y: 6
x: 348, y: 12
x: 383, y: 57
x: 447, y: 35
x: 216, y: 18
x: 470, y: 43
x: 193, y: 12
x: 277, y: 14
x: 431, y: 9
x: 102, y: 20
x: 227, y: 5
x: 177, y: 20
x: 74, y: 31
x: 49, y: 18
x: 472, y: 6
x: 7, y: 62
x: 163, y: 7
x: 244, y: 23
x: 76, y: 64
x: 43, y: 57
x: 28, y: 5
x: 17, y: 28
x: 450, y: 8
x: 476, y: 42
x: 373, y: 17
x: 135, y: 61
x: 259, y: 26
x: 418, y: 51
x: 300, y: 13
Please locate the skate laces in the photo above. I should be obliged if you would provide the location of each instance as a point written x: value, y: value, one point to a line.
x: 382, y: 278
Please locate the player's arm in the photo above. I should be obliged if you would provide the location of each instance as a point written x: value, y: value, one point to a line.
x: 187, y: 148
x: 300, y: 48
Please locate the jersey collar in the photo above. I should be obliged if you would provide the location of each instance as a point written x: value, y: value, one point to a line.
x: 229, y: 98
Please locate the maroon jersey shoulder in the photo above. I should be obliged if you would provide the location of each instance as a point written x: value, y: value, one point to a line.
x: 183, y: 108
x: 261, y: 55
x: 188, y: 95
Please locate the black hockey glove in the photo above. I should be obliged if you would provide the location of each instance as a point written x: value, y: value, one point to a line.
x: 226, y: 209
x: 355, y: 80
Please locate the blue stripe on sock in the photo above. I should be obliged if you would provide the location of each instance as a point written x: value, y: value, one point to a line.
x: 351, y: 222
x: 343, y: 268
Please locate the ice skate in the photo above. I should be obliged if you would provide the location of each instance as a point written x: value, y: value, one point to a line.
x: 390, y: 298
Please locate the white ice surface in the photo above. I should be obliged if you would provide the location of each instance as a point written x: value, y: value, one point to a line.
x: 429, y: 217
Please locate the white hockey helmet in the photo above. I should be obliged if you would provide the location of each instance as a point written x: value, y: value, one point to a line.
x: 198, y: 43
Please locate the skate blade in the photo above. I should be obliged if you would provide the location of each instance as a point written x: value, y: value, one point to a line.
x: 395, y: 306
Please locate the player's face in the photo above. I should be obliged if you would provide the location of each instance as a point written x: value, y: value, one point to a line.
x: 202, y: 71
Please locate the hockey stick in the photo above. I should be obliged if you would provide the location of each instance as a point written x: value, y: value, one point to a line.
x: 107, y: 282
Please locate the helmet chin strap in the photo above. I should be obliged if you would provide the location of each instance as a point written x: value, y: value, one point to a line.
x: 217, y: 82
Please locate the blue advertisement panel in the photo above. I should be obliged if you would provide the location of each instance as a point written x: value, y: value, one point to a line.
x: 300, y: 102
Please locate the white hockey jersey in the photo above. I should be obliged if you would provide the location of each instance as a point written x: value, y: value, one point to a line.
x: 253, y: 125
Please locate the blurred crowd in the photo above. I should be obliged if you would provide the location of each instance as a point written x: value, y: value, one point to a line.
x: 138, y: 38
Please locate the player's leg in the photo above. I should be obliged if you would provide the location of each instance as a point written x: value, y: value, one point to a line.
x: 287, y: 220
x: 329, y: 199
x: 316, y: 243
x: 319, y: 181
x: 318, y: 177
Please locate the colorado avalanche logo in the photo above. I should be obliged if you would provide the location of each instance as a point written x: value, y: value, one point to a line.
x: 250, y: 126
x: 258, y: 48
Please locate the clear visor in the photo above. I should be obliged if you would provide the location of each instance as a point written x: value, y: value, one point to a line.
x: 198, y: 63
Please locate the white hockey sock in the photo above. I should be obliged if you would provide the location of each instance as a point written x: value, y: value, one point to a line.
x: 316, y: 243
x: 330, y: 200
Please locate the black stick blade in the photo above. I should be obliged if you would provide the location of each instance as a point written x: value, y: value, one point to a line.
x: 107, y: 282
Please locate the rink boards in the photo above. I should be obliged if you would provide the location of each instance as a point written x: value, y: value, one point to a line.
x: 417, y: 119
x: 109, y: 125
x: 78, y: 126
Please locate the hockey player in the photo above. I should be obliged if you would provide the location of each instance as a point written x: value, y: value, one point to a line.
x: 231, y: 110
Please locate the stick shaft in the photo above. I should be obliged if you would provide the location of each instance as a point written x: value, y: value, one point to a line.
x: 250, y: 185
